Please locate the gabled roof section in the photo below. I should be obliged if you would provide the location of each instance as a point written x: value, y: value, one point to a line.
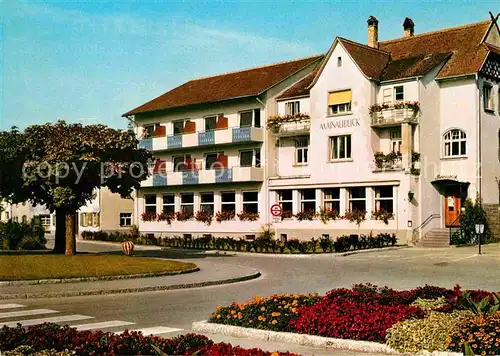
x: 301, y: 88
x: 465, y: 42
x: 413, y: 66
x: 246, y: 83
x: 371, y: 61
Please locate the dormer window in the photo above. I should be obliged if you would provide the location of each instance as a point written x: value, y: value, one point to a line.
x: 339, y: 102
x: 292, y: 107
x: 399, y: 94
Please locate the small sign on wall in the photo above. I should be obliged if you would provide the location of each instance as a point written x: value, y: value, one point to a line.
x: 451, y: 202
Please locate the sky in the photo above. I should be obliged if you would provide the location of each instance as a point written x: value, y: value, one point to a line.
x: 92, y: 61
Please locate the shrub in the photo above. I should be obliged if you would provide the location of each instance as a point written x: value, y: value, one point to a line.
x: 22, y: 235
x: 430, y: 333
x: 429, y: 304
x: 480, y: 332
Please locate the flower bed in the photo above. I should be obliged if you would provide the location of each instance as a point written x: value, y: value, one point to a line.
x: 66, y: 339
x: 425, y: 318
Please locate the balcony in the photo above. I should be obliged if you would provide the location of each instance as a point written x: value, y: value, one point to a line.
x: 290, y: 125
x: 220, y: 136
x: 385, y: 115
x: 388, y: 162
x: 205, y: 176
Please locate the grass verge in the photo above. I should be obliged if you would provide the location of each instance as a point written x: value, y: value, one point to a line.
x: 34, y: 266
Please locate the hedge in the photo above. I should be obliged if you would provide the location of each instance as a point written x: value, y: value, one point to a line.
x: 22, y: 235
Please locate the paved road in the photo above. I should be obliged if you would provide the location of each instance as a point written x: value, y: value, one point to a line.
x: 404, y: 268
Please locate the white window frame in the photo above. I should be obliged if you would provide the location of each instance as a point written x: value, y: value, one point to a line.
x: 184, y: 205
x: 45, y: 220
x: 449, y: 140
x: 146, y: 205
x: 302, y: 151
x: 347, y: 153
x: 250, y: 202
x: 205, y: 204
x: 377, y: 198
x: 303, y: 200
x: 330, y: 200
x: 223, y: 203
x: 172, y: 204
x: 488, y: 97
x: 351, y: 199
x: 402, y: 93
x: 292, y: 107
x: 280, y: 199
x: 125, y: 219
x: 396, y: 139
x: 339, y: 109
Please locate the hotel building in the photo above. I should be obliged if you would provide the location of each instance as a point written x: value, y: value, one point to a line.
x: 409, y: 126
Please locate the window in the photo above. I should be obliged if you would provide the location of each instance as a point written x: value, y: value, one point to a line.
x: 150, y: 203
x: 384, y: 199
x: 399, y: 93
x: 357, y: 198
x: 45, y: 220
x: 455, y: 143
x: 251, y: 202
x: 387, y: 95
x: 187, y: 202
x: 207, y: 202
x: 228, y: 201
x: 302, y: 150
x: 89, y: 219
x: 210, y: 122
x: 246, y: 158
x: 292, y: 107
x: 256, y: 118
x: 178, y: 127
x: 339, y: 102
x: 24, y: 218
x: 339, y: 61
x: 487, y: 97
x: 331, y: 199
x: 169, y: 203
x: 285, y: 199
x: 148, y: 130
x: 180, y: 162
x: 211, y: 161
x: 257, y: 157
x: 246, y: 118
x: 340, y: 147
x: 308, y: 200
x: 396, y: 141
x: 125, y: 219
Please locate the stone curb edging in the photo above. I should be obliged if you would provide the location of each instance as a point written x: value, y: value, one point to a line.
x: 255, y: 275
x: 94, y: 279
x: 279, y: 255
x: 302, y: 339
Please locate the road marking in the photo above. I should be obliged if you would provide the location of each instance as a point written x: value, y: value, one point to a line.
x: 26, y: 313
x: 11, y: 306
x: 105, y: 324
x: 155, y: 330
x: 56, y: 319
x: 463, y: 258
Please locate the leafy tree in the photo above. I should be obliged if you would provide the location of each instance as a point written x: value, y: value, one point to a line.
x: 61, y: 165
x: 473, y: 214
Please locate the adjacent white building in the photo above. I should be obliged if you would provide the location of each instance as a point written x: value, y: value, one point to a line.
x: 404, y: 130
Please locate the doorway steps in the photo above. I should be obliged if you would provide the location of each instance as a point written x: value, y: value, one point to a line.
x: 435, y: 238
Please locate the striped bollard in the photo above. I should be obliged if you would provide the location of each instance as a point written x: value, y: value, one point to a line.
x: 128, y: 247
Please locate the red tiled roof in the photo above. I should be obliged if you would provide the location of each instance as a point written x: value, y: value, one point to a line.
x: 464, y: 42
x: 371, y: 61
x: 412, y: 66
x: 301, y: 88
x: 250, y: 82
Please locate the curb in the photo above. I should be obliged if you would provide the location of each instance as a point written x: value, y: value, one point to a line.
x: 288, y: 255
x: 255, y: 275
x: 302, y: 339
x: 95, y: 279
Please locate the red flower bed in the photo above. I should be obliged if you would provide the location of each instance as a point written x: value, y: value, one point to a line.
x: 347, y: 319
x: 60, y: 338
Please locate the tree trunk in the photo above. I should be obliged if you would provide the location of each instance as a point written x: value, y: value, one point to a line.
x: 70, y: 236
x: 60, y: 238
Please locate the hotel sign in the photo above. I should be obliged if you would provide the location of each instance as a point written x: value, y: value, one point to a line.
x: 339, y: 124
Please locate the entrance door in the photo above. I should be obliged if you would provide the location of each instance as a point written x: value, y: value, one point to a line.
x: 452, y: 210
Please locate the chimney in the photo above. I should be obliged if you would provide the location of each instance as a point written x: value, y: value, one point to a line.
x: 409, y: 27
x: 372, y: 32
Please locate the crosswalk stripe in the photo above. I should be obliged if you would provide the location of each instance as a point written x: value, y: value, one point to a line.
x: 56, y: 319
x: 26, y: 313
x: 105, y: 324
x: 155, y: 330
x: 11, y: 306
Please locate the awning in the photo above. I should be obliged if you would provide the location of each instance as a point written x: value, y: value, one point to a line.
x: 339, y: 97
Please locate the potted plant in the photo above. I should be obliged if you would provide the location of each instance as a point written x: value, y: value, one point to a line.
x: 379, y: 159
x: 149, y: 216
x: 328, y: 214
x: 245, y: 216
x: 383, y: 215
x: 183, y: 215
x: 204, y: 216
x: 355, y: 216
x: 166, y: 216
x: 305, y: 215
x: 221, y: 216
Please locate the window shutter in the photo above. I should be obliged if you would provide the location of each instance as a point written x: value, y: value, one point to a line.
x: 339, y: 97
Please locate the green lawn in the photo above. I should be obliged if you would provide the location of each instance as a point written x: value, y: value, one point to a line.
x: 43, y: 265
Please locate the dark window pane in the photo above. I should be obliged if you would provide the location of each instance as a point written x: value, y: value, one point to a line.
x: 287, y: 208
x: 187, y: 198
x: 358, y: 193
x: 168, y: 209
x: 178, y: 164
x: 228, y: 207
x: 332, y: 205
x: 188, y: 208
x: 211, y: 161
x: 228, y: 197
x: 168, y: 198
x: 387, y: 205
x: 246, y: 119
x: 210, y: 123
x: 250, y: 196
x: 150, y: 199
x: 246, y: 158
x: 150, y: 209
x: 251, y: 208
x: 454, y: 149
x: 463, y: 148
x: 308, y: 206
x: 333, y: 193
x: 348, y: 146
x: 285, y: 195
x: 358, y: 205
x: 308, y: 194
x: 385, y: 192
x: 207, y: 197
x: 257, y: 117
x: 178, y: 127
x: 209, y: 208
x: 257, y: 158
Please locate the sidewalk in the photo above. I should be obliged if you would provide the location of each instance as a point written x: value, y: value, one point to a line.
x: 210, y: 273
